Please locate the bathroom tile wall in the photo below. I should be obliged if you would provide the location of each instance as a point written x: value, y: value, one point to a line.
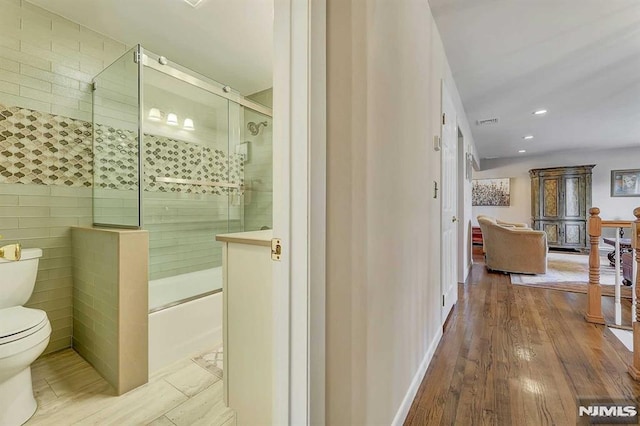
x: 41, y: 216
x: 258, y: 171
x: 46, y: 65
x: 110, y: 303
x: 95, y: 299
x: 182, y: 229
x: 47, y: 61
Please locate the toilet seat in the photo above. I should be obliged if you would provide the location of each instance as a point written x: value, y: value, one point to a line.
x: 18, y: 323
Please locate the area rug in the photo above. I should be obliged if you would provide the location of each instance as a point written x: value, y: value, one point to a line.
x: 211, y: 361
x: 570, y: 272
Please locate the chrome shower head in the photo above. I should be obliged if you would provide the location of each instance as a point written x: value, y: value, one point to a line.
x: 254, y: 128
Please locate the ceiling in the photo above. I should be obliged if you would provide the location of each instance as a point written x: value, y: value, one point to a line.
x: 230, y: 41
x: 578, y: 59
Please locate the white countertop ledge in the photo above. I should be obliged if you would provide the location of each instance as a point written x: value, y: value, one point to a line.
x: 256, y: 238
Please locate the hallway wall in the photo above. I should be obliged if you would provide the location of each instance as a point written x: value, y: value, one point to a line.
x: 385, y: 65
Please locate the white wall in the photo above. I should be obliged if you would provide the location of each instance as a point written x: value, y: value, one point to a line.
x: 611, y: 208
x: 385, y: 65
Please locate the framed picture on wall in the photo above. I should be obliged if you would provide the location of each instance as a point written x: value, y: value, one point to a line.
x: 625, y: 183
x: 491, y: 192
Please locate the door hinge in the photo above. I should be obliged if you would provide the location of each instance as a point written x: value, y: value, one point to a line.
x: 94, y: 86
x: 443, y: 300
x: 444, y: 118
x: 276, y: 249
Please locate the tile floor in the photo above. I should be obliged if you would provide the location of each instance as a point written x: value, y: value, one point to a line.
x: 70, y: 392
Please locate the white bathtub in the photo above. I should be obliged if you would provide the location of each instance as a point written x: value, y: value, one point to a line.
x: 187, y: 328
x: 166, y: 291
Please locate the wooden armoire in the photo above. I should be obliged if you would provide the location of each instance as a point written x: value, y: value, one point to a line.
x: 560, y: 203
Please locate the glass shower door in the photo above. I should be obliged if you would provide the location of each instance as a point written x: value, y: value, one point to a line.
x: 187, y: 187
x: 116, y: 176
x: 256, y: 149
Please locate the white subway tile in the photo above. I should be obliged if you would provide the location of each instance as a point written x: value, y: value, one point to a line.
x: 24, y: 211
x: 71, y: 93
x: 13, y: 6
x: 70, y: 72
x: 65, y: 29
x: 9, y: 65
x: 23, y: 80
x: 71, y: 112
x: 92, y: 47
x: 113, y: 50
x: 19, y: 101
x: 25, y: 58
x: 50, y: 56
x: 48, y: 76
x: 47, y: 97
x: 61, y: 212
x: 8, y: 223
x: 46, y: 222
x: 9, y: 88
x: 47, y: 201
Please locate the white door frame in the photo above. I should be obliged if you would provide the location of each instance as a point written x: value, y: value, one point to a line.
x: 464, y: 244
x: 448, y: 282
x: 299, y: 216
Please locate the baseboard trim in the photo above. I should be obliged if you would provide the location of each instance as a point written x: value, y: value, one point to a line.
x: 403, y: 411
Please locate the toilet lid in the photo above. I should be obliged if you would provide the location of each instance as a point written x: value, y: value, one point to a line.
x: 18, y: 322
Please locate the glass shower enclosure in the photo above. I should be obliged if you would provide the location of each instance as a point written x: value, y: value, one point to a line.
x: 183, y: 157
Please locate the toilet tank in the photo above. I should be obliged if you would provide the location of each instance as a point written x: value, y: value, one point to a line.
x: 17, y: 278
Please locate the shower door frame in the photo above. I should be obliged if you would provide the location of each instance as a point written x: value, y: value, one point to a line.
x: 151, y: 60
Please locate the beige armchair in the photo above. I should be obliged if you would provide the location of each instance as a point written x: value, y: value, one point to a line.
x: 513, y: 247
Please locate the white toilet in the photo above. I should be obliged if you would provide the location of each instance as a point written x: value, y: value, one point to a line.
x: 24, y: 334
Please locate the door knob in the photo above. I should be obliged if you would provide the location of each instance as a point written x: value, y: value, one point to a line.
x: 454, y: 219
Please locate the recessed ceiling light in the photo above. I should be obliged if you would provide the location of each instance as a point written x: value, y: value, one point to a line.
x: 522, y: 151
x: 540, y: 112
x: 528, y: 137
x: 193, y: 3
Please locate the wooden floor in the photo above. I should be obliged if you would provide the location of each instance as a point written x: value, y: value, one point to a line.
x: 517, y: 355
x: 70, y: 392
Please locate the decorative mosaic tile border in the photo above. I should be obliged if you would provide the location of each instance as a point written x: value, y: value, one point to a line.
x: 116, y: 163
x: 47, y: 149
x: 44, y: 149
x: 183, y: 160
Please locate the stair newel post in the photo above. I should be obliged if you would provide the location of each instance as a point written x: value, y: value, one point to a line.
x: 594, y: 293
x: 634, y: 368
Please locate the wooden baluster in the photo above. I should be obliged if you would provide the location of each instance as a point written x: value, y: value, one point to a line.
x: 634, y: 368
x: 594, y: 292
x: 618, y: 302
